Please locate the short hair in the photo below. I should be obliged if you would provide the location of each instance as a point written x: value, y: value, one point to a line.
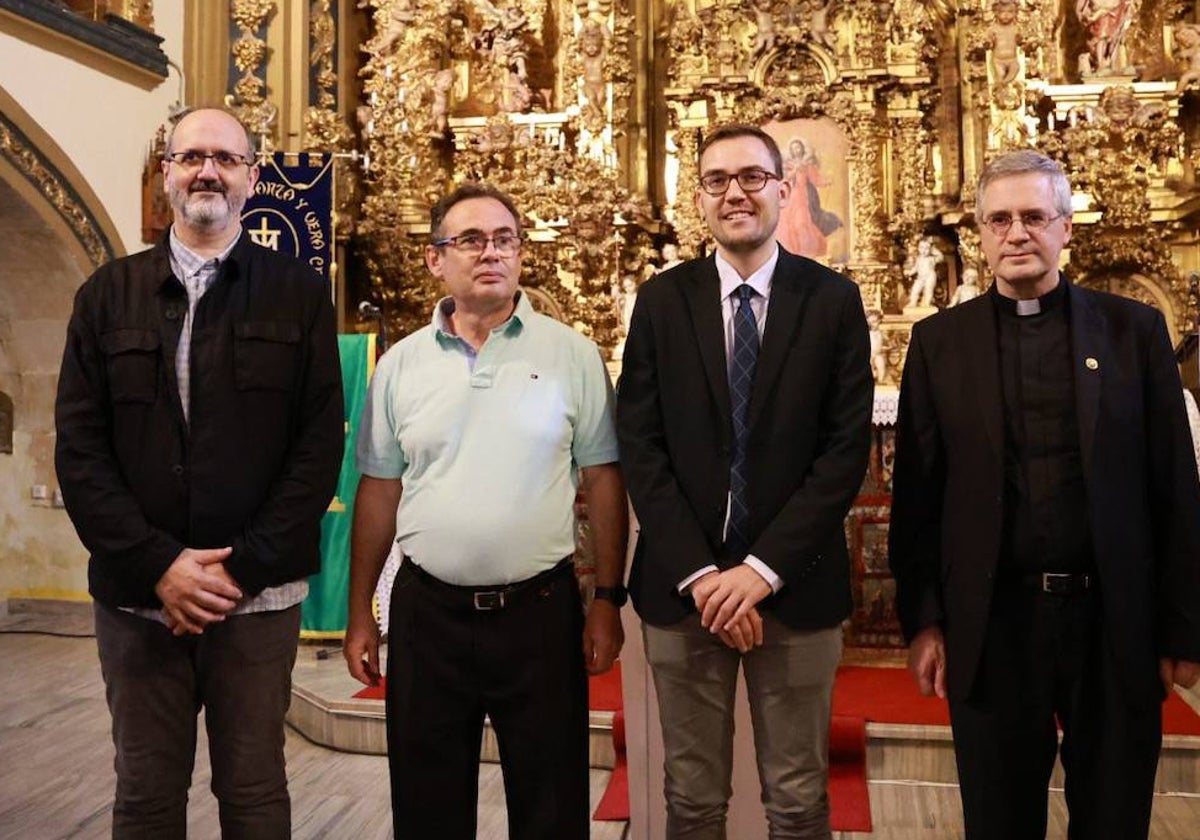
x: 178, y: 118
x: 464, y: 191
x: 1022, y: 162
x: 734, y: 130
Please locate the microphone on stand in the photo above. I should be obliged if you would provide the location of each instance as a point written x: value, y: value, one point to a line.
x: 368, y: 311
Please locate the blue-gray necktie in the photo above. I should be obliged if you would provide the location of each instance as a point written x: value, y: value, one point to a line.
x: 741, y: 382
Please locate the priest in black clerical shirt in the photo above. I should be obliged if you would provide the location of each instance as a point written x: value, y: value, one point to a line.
x: 1045, y: 534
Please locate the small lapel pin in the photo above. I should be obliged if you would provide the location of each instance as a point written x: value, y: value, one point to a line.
x: 1091, y: 363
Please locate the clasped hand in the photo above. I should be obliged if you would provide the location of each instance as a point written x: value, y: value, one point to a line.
x: 197, y: 590
x: 727, y: 602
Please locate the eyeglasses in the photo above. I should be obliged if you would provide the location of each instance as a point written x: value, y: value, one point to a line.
x: 473, y: 243
x: 1033, y: 222
x: 192, y: 159
x: 750, y: 180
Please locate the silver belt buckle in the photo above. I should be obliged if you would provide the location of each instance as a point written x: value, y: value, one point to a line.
x: 1065, y: 583
x: 485, y: 601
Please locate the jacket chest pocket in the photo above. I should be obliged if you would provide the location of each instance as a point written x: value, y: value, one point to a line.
x: 265, y: 355
x: 132, y: 359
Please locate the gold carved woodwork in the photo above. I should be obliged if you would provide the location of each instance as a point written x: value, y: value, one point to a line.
x: 472, y: 90
x: 249, y: 97
x: 543, y: 97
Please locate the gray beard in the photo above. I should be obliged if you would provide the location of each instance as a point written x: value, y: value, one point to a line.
x: 207, y: 214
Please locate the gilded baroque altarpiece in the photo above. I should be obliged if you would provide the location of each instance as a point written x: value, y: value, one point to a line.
x: 590, y: 112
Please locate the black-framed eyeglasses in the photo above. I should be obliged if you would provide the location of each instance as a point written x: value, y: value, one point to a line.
x: 1034, y: 221
x: 192, y: 159
x: 473, y: 243
x: 750, y: 180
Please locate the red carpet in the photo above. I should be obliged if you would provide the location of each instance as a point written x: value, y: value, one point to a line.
x: 889, y: 695
x: 849, y: 803
x: 614, y: 805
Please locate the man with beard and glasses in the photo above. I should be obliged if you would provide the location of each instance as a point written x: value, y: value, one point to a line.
x: 200, y: 421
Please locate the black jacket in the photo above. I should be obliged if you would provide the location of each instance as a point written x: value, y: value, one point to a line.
x: 1143, y: 499
x: 259, y: 462
x: 810, y: 434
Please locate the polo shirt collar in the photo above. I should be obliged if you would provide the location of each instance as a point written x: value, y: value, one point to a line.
x: 443, y: 332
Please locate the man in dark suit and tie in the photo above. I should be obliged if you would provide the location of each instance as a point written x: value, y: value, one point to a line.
x: 1045, y: 532
x: 743, y: 416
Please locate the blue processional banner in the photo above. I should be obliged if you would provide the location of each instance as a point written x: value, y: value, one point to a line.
x: 291, y: 210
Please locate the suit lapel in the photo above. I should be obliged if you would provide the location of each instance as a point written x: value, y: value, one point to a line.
x: 1089, y: 359
x: 788, y: 293
x: 702, y: 290
x: 980, y: 344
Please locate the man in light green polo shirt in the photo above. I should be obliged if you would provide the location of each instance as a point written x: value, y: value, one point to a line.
x: 476, y: 432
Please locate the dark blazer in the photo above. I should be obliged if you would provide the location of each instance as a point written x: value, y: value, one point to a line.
x: 1139, y: 469
x: 809, y: 418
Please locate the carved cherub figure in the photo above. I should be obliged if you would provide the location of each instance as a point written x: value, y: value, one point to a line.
x: 764, y: 19
x: 442, y: 82
x: 509, y: 48
x: 969, y: 290
x: 593, y: 44
x: 1187, y: 49
x: 670, y: 256
x: 1004, y: 36
x: 818, y: 24
x: 400, y: 15
x: 879, y: 348
x: 922, y: 268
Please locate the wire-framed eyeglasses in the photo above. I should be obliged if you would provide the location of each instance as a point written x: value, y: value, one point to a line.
x: 1034, y: 221
x: 750, y: 180
x: 192, y: 159
x: 473, y: 243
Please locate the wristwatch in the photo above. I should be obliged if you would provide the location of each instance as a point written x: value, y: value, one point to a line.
x: 617, y: 595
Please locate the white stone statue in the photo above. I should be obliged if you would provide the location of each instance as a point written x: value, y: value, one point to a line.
x: 670, y: 257
x: 879, y: 348
x: 969, y: 290
x: 626, y: 299
x: 922, y: 268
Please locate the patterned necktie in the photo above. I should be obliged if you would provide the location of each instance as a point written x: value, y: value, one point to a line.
x: 741, y: 381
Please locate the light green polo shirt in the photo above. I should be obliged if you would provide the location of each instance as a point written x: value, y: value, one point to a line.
x: 487, y: 448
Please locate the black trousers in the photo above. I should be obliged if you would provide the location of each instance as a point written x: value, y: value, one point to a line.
x: 1048, y: 657
x: 240, y: 672
x: 521, y: 664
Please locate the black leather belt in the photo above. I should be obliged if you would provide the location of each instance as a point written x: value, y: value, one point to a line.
x: 494, y: 597
x: 1061, y: 583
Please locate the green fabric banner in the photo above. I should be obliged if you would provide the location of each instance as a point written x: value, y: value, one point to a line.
x: 324, y: 610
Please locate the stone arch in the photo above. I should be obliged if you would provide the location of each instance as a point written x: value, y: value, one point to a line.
x: 37, y: 168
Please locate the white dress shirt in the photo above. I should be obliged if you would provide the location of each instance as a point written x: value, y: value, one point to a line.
x: 760, y: 281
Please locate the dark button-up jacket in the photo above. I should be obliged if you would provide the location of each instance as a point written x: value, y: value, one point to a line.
x: 258, y: 463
